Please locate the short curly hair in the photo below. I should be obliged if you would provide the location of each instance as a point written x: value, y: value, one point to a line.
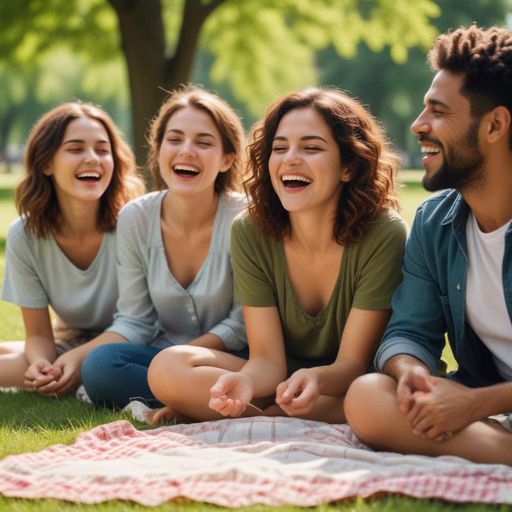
x: 35, y: 194
x: 225, y: 119
x: 485, y: 57
x: 364, y: 148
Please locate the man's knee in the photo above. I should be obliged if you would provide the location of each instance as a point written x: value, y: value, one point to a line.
x: 366, y: 405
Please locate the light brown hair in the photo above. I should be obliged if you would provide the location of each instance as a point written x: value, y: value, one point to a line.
x: 225, y: 120
x: 364, y: 150
x: 35, y: 195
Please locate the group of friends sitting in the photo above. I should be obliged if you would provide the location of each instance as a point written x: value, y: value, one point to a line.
x: 303, y: 297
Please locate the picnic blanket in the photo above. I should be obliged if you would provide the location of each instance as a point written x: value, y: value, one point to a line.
x: 239, y: 462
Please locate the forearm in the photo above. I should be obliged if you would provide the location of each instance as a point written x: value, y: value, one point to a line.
x: 40, y: 347
x: 209, y: 340
x: 335, y: 379
x: 492, y: 400
x: 265, y: 375
x: 402, y: 363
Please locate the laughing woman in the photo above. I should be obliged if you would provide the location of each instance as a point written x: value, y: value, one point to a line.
x: 175, y: 275
x: 316, y: 260
x: 61, y: 252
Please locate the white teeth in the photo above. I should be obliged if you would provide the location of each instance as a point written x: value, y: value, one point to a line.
x: 294, y: 177
x: 89, y: 175
x: 429, y: 149
x: 185, y: 168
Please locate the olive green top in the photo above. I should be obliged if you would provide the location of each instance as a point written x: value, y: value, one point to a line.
x: 368, y: 276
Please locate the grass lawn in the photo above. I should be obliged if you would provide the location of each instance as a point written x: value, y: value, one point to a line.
x: 29, y: 422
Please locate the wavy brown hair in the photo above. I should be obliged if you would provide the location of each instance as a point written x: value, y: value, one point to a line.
x: 364, y: 150
x: 35, y: 195
x: 225, y: 119
x: 485, y: 57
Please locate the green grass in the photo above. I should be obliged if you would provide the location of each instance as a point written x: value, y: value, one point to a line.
x: 30, y: 422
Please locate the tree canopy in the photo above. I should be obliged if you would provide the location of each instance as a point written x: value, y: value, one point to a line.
x: 260, y: 47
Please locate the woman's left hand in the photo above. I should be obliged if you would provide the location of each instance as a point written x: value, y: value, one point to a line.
x: 297, y: 395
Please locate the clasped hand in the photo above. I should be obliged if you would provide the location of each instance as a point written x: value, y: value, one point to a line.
x: 435, y: 407
x: 57, y: 379
x: 297, y: 395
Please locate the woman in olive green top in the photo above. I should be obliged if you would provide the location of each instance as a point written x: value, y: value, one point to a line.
x: 316, y: 260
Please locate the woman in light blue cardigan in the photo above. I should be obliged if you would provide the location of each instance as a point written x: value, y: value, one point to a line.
x: 174, y: 263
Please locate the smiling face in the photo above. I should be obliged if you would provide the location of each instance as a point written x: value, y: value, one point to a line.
x: 305, y: 165
x: 82, y: 166
x: 191, y: 153
x: 448, y: 136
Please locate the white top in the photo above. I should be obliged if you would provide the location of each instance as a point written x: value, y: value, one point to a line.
x: 486, y: 310
x: 153, y: 308
x: 38, y: 274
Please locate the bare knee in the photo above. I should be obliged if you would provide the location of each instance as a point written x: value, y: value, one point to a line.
x: 167, y: 371
x: 368, y: 407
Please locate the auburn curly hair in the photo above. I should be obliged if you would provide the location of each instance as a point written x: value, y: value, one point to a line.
x: 225, y: 119
x: 364, y: 149
x: 485, y: 56
x: 35, y: 195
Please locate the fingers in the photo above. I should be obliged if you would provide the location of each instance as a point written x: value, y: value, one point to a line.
x: 287, y: 390
x: 227, y: 406
x: 404, y: 397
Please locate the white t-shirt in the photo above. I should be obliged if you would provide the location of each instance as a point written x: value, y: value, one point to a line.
x: 486, y: 310
x: 38, y: 274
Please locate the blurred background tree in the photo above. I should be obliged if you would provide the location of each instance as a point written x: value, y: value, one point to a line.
x: 120, y: 53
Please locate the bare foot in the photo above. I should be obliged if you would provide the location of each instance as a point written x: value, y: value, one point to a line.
x: 164, y: 415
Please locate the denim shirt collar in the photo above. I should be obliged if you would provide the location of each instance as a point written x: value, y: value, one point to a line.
x: 458, y: 212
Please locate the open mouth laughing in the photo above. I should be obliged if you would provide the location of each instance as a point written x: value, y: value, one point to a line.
x: 89, y: 176
x: 185, y: 171
x: 295, y: 181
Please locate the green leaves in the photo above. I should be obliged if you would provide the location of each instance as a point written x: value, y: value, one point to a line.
x: 265, y: 48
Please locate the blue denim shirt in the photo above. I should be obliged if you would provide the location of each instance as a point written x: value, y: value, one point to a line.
x: 430, y: 300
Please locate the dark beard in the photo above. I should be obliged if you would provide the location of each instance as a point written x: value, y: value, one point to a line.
x: 462, y: 166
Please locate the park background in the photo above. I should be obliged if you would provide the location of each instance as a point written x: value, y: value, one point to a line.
x: 123, y: 55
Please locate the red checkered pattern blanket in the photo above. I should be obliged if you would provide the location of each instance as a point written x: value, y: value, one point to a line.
x: 241, y: 462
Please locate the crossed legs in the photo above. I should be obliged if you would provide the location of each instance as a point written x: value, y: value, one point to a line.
x: 372, y: 411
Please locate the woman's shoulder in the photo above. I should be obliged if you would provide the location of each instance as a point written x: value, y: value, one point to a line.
x: 243, y: 225
x: 233, y: 203
x: 246, y: 234
x: 387, y: 232
x: 388, y: 223
x: 142, y: 208
x: 16, y: 234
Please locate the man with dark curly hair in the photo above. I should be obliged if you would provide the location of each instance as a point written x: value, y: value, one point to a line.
x: 457, y: 272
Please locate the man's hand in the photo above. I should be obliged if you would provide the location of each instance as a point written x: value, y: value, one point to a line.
x: 297, y: 395
x: 412, y: 381
x: 231, y: 394
x: 446, y: 409
x: 69, y: 366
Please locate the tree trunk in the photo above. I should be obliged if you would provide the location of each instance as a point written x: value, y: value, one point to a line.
x: 149, y: 68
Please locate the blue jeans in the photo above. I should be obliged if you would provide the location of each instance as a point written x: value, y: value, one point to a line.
x: 117, y: 374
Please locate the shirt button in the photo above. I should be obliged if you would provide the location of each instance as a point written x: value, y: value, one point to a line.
x: 458, y: 287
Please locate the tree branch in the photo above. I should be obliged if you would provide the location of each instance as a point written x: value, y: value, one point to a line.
x: 178, y: 68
